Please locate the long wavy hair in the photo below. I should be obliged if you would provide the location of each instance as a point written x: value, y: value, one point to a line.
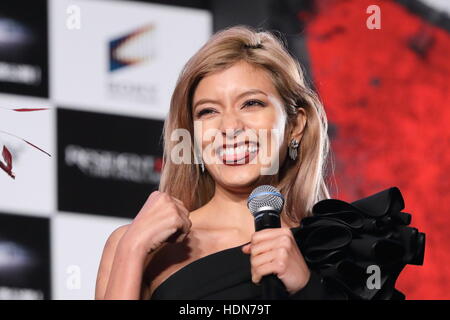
x: 302, y: 182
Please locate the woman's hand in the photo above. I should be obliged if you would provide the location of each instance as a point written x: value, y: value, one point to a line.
x: 274, y: 250
x: 163, y: 218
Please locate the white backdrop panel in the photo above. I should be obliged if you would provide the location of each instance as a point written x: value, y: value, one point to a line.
x: 76, y: 247
x: 79, y: 58
x: 33, y: 189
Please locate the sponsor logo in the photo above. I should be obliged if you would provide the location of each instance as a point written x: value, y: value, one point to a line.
x: 125, y: 166
x: 131, y: 49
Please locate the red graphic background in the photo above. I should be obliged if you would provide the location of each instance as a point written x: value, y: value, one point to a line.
x: 386, y: 96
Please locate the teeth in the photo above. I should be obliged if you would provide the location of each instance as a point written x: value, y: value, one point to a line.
x: 241, y: 149
x: 238, y: 150
x: 252, y: 148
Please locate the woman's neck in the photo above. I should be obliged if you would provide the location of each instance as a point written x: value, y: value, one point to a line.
x: 228, y: 210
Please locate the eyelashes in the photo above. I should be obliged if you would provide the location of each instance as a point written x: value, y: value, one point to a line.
x: 210, y: 110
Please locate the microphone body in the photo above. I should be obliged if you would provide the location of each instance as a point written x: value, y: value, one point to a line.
x: 265, y: 203
x: 272, y: 287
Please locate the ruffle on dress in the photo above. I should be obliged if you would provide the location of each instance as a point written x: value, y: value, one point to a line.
x: 344, y: 244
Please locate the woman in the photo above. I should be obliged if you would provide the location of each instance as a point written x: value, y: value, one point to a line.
x: 251, y: 120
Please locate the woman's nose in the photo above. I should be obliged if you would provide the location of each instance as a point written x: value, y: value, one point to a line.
x: 231, y: 126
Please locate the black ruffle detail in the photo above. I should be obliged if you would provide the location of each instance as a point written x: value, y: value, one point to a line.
x: 341, y: 240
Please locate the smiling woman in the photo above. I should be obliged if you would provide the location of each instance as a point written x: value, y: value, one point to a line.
x: 252, y: 120
x: 243, y: 81
x: 237, y: 122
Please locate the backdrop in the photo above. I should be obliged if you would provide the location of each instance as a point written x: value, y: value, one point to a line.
x: 85, y: 87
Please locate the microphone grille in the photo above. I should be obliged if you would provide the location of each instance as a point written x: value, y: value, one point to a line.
x: 265, y: 196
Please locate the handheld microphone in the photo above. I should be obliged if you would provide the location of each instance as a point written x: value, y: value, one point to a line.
x: 265, y: 203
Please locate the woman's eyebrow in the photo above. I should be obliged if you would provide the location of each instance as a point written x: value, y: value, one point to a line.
x: 243, y: 94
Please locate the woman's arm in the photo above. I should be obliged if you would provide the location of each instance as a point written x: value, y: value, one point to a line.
x: 129, y: 248
x: 314, y: 289
x: 121, y: 268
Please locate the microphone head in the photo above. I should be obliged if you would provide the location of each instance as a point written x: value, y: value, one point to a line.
x: 265, y: 197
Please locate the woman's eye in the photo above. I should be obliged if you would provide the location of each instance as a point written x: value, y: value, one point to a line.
x: 251, y: 103
x: 204, y: 111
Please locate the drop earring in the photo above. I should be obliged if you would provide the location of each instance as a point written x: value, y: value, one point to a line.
x: 198, y: 159
x: 293, y: 146
x: 202, y: 165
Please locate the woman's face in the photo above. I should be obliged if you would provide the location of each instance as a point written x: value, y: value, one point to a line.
x: 240, y: 124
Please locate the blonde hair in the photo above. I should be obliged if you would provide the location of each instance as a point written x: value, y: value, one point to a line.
x: 302, y: 182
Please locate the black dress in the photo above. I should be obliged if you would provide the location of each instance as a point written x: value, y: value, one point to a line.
x: 339, y: 242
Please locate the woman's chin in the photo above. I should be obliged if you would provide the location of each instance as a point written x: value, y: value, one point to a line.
x: 238, y: 175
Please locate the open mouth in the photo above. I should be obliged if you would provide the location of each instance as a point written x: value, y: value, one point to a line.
x: 239, y: 154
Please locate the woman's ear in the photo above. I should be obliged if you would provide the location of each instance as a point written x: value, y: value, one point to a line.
x: 299, y: 125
